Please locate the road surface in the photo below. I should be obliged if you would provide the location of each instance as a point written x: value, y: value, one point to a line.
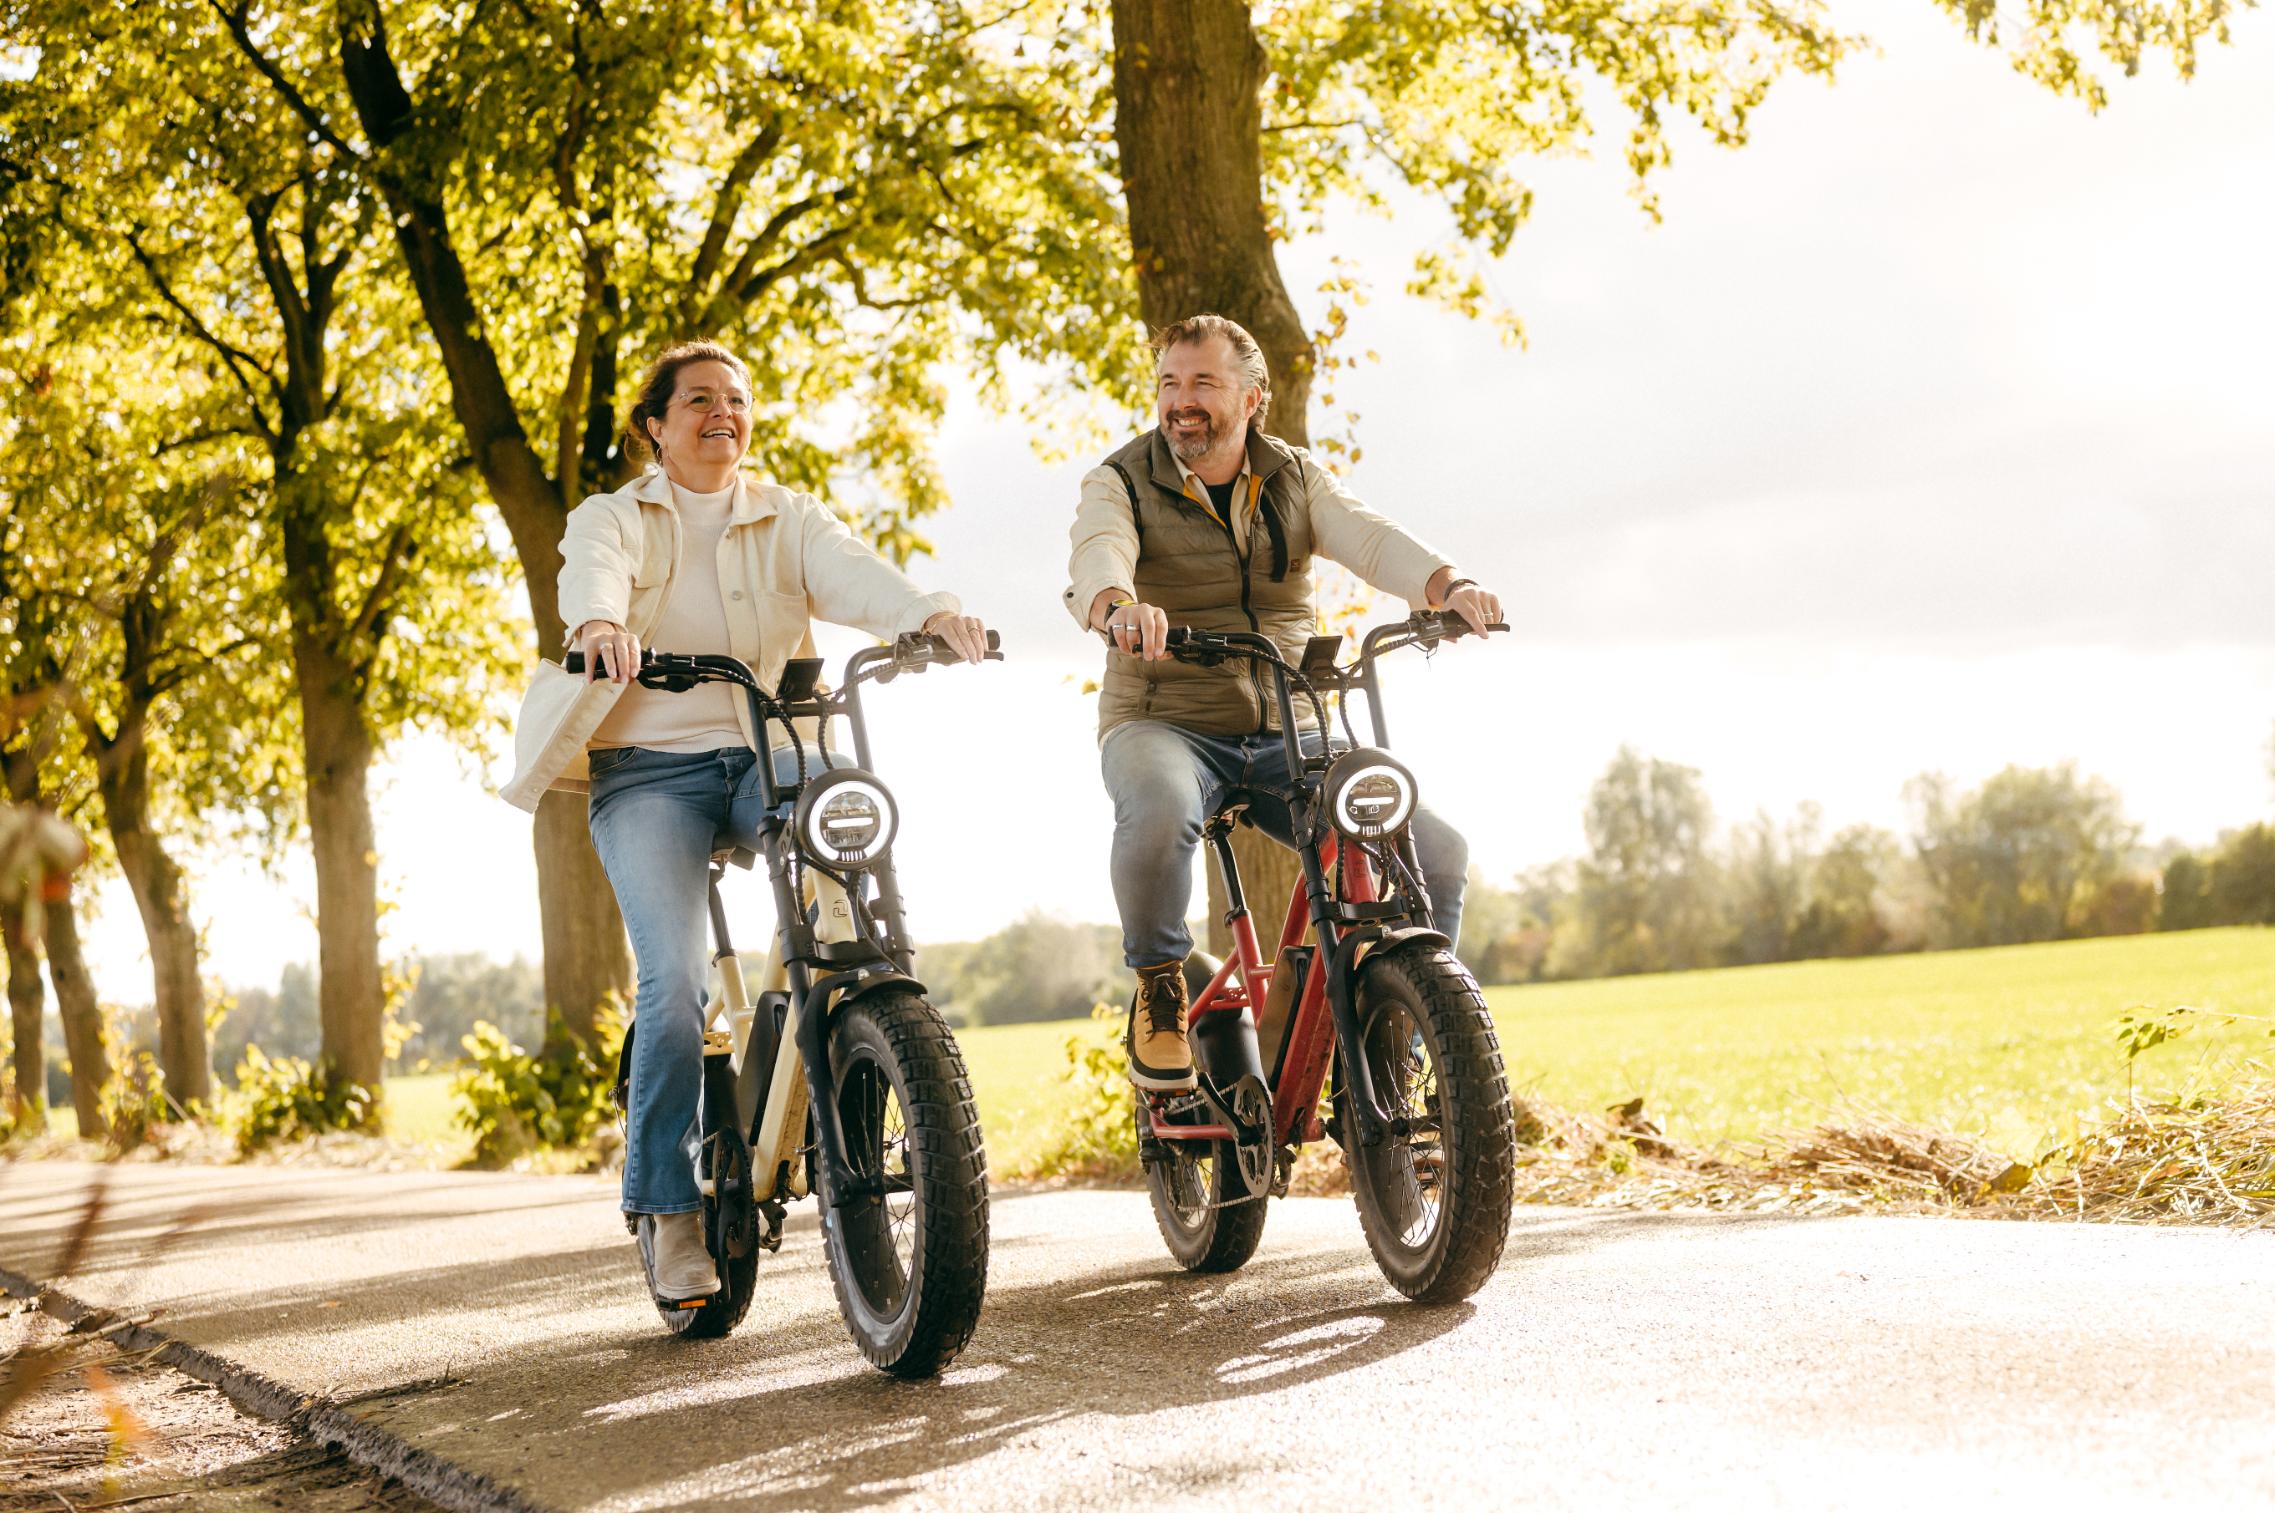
x: 493, y: 1330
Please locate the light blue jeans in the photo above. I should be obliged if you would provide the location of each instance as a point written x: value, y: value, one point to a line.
x: 1165, y: 781
x: 656, y: 817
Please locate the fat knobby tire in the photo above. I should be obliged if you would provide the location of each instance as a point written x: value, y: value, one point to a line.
x: 948, y: 1166
x: 1224, y: 1238
x: 1478, y: 1137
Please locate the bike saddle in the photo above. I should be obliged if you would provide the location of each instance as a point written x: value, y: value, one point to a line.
x: 1233, y: 809
x: 740, y: 856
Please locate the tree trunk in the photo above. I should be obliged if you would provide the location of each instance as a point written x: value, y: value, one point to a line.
x: 27, y: 1002
x: 586, y: 956
x: 587, y: 959
x: 337, y: 748
x: 1188, y: 116
x: 82, y: 1018
x: 177, y: 982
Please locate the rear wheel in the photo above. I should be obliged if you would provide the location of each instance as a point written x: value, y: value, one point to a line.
x: 1435, y: 1201
x: 1203, y: 1207
x: 909, y: 1261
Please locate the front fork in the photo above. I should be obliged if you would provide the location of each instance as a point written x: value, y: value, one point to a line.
x: 1370, y: 1125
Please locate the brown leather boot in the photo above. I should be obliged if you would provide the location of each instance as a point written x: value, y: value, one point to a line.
x: 1161, y: 1060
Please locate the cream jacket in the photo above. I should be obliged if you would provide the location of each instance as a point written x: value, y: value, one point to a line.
x: 784, y: 560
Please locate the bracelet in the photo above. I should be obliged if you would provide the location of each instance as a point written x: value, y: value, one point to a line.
x: 1454, y: 583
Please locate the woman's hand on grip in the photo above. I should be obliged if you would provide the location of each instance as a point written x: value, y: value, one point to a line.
x: 610, y: 651
x: 963, y: 632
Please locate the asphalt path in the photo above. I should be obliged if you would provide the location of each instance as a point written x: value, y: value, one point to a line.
x: 497, y: 1325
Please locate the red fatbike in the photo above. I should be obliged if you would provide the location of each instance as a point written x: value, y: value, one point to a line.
x: 1369, y: 1032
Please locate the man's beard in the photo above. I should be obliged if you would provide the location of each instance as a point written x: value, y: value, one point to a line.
x: 1188, y: 446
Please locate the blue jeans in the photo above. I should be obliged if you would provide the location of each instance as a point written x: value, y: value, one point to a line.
x: 1166, y: 780
x: 656, y: 817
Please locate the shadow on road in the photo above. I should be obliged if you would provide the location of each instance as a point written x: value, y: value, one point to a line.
x: 548, y: 1369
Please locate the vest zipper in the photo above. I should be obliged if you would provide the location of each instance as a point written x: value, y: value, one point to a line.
x: 1255, y: 675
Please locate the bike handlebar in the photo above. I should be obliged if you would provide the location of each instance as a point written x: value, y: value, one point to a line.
x: 912, y: 652
x: 1423, y: 627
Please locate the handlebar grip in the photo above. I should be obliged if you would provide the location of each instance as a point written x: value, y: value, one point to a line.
x: 574, y: 662
x: 936, y: 647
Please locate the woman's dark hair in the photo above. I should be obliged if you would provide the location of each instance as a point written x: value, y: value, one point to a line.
x: 662, y: 381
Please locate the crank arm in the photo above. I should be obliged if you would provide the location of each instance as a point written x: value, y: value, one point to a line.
x: 1246, y: 1132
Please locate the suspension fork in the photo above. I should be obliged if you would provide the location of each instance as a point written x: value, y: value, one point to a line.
x: 1339, y: 958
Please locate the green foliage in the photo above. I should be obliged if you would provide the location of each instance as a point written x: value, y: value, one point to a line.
x: 20, y: 1118
x: 291, y: 1099
x: 1096, y: 1134
x: 2146, y: 1028
x: 134, y: 1102
x: 1039, y: 967
x: 1645, y: 896
x: 513, y: 1101
x: 2185, y: 900
x: 1842, y: 915
x: 2241, y: 890
x: 2018, y: 859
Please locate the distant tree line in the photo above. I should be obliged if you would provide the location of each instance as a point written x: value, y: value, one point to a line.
x: 2033, y: 854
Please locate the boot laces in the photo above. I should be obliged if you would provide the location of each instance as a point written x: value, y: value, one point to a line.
x: 1163, y: 1003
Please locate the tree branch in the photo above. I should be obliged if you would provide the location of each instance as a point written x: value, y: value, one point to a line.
x: 231, y: 357
x: 394, y: 565
x: 770, y: 235
x: 241, y: 32
x: 728, y: 205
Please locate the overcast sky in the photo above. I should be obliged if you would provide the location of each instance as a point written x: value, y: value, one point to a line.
x: 1935, y: 430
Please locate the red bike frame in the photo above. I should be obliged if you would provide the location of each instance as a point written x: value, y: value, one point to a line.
x: 1310, y: 1033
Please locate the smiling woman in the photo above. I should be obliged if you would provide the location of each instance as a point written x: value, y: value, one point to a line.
x: 697, y: 558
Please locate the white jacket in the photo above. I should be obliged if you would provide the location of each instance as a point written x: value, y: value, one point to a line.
x: 785, y: 558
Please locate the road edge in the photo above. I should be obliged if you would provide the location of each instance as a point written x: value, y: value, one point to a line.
x: 329, y: 1423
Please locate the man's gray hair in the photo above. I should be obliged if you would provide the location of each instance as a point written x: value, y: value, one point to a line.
x: 1199, y: 328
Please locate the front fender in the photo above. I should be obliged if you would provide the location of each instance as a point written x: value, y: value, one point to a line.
x: 873, y: 982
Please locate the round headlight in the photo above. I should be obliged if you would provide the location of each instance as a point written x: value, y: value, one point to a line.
x: 846, y: 819
x: 1369, y: 795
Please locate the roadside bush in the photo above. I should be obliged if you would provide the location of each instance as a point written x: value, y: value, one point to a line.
x: 20, y: 1120
x: 134, y: 1102
x: 291, y: 1099
x: 1098, y: 1138
x: 513, y: 1101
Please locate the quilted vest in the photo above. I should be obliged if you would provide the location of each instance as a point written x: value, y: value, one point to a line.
x: 1207, y: 575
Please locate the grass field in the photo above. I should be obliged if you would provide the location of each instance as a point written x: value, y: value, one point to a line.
x: 2009, y: 1045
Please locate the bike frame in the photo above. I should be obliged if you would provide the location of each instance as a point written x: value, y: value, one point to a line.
x: 1348, y: 914
x: 772, y: 1100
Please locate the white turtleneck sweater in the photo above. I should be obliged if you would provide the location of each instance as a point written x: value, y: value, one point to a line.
x: 695, y: 623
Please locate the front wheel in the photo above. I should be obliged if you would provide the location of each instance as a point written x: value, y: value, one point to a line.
x: 1435, y: 1201
x: 909, y: 1261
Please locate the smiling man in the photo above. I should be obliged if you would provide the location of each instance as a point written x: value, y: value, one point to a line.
x: 1205, y: 521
